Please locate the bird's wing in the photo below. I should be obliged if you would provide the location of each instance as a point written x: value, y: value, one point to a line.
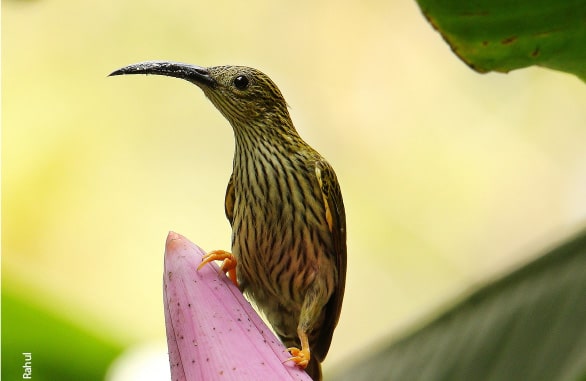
x: 336, y: 219
x: 230, y: 197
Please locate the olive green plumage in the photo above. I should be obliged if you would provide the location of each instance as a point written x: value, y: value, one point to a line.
x: 284, y: 204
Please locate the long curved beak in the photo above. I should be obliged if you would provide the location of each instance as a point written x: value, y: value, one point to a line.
x: 195, y: 74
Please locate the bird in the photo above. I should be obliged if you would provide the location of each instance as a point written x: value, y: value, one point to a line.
x: 285, y: 208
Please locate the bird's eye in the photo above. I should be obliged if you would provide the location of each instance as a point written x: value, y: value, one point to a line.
x: 241, y: 82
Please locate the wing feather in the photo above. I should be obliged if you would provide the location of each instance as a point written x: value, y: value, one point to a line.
x: 336, y: 219
x: 230, y: 198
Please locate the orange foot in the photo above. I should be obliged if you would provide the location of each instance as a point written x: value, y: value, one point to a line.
x: 228, y: 266
x: 300, y: 356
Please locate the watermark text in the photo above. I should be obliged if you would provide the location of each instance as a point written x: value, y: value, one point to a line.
x: 28, y: 366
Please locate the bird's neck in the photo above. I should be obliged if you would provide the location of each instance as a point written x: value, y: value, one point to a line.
x: 273, y: 135
x: 266, y: 153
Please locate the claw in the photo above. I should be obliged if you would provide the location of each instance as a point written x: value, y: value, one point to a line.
x: 228, y: 265
x: 300, y: 356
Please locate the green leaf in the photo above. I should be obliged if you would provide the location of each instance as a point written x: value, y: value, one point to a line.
x: 503, y: 35
x: 529, y: 325
x: 60, y: 350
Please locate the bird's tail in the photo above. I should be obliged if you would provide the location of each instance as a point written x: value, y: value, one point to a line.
x: 314, y: 369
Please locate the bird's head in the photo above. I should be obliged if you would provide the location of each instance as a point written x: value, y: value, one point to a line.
x: 247, y: 97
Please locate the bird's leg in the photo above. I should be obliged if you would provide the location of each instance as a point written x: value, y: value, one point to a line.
x: 313, y: 303
x: 300, y: 356
x: 228, y: 265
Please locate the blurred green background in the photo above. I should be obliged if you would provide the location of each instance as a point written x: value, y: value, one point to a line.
x: 449, y: 177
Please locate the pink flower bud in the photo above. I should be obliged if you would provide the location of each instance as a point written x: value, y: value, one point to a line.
x: 213, y: 333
